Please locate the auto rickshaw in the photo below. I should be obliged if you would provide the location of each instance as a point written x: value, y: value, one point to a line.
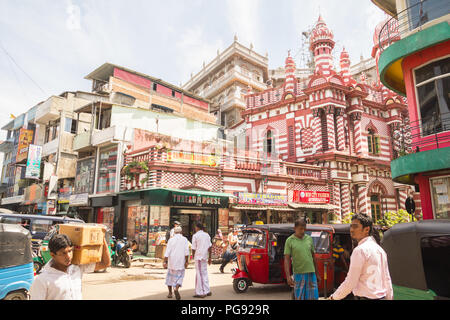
x: 16, y: 262
x: 419, y: 259
x: 260, y: 255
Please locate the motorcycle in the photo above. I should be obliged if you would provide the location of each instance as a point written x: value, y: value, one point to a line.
x: 122, y: 252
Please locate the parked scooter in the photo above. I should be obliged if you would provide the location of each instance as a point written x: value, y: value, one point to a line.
x: 122, y: 252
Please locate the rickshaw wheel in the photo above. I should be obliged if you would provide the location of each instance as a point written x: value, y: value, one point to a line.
x: 16, y: 295
x: 37, y: 266
x: 240, y: 285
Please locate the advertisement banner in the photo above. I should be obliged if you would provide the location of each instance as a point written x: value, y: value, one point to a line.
x: 262, y: 199
x: 33, y: 170
x: 303, y: 196
x: 84, y: 179
x: 193, y: 158
x: 25, y: 139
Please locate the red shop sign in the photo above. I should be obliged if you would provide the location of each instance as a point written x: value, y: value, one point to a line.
x: 311, y: 196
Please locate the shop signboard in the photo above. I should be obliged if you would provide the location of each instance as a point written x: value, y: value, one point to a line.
x: 33, y: 169
x: 306, y: 196
x: 79, y: 199
x: 198, y: 200
x: 193, y: 158
x: 84, y: 179
x: 64, y: 195
x: 262, y: 199
x: 25, y: 139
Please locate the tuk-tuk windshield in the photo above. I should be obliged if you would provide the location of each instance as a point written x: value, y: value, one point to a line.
x: 321, y: 241
x: 253, y: 239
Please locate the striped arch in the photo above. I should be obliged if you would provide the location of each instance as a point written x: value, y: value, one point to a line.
x: 371, y: 126
x: 317, y: 80
x: 377, y: 187
x: 336, y: 79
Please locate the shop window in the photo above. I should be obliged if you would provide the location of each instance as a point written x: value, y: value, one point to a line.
x: 440, y: 193
x: 433, y: 86
x: 421, y: 12
x: 375, y: 204
x: 435, y: 266
x: 105, y: 119
x: 373, y: 142
x: 107, y: 170
x: 71, y: 126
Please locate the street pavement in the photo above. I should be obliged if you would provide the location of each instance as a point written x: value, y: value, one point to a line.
x: 146, y: 281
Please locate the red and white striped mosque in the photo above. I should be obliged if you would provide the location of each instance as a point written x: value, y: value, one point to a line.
x: 352, y: 129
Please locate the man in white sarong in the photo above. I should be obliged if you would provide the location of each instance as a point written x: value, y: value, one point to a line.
x: 176, y: 260
x: 201, y: 249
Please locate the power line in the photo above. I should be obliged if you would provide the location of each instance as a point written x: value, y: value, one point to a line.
x: 29, y: 77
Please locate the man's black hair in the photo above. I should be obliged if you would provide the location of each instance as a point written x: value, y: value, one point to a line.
x: 199, y: 225
x: 58, y: 242
x: 365, y: 220
x: 300, y: 222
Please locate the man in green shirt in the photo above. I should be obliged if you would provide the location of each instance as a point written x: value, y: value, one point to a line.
x: 300, y: 248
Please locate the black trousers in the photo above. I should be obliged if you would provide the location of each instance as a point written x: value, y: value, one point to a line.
x: 364, y: 298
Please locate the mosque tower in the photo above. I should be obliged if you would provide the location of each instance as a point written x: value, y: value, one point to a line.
x: 322, y: 45
x: 290, y: 79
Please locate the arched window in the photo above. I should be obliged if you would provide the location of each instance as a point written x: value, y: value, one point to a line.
x: 268, y: 143
x: 373, y: 142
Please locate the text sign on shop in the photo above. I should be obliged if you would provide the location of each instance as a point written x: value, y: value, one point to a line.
x: 262, y: 199
x: 311, y: 196
x: 192, y: 158
x: 197, y: 200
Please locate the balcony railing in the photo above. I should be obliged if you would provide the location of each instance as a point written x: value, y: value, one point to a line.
x: 413, y: 17
x: 431, y: 132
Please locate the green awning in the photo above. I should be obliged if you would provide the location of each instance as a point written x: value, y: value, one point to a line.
x: 182, y: 198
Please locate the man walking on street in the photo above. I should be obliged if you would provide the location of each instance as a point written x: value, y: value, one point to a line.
x: 60, y: 279
x: 300, y: 248
x: 171, y: 233
x: 176, y: 260
x: 368, y: 277
x: 230, y: 252
x: 201, y: 248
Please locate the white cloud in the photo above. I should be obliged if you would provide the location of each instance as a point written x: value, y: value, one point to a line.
x: 193, y: 49
x: 244, y: 19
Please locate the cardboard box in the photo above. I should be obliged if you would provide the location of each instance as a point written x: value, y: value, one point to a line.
x: 87, y: 254
x: 83, y: 234
x: 160, y: 251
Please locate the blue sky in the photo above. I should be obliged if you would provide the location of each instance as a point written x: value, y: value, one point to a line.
x: 58, y: 43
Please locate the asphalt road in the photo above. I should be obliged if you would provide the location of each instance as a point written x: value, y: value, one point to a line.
x: 146, y: 281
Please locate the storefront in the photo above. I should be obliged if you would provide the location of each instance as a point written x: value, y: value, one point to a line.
x: 81, y: 205
x: 149, y: 214
x: 263, y: 208
x: 103, y: 209
x: 313, y: 205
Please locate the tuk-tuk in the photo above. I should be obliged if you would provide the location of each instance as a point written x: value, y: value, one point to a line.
x: 260, y: 255
x: 419, y: 259
x: 16, y: 262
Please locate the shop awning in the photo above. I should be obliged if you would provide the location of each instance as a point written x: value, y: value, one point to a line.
x: 327, y: 206
x: 183, y: 198
x: 259, y: 208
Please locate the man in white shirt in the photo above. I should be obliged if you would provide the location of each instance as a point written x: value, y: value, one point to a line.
x: 368, y: 277
x: 176, y: 260
x: 172, y: 231
x: 201, y: 248
x: 60, y: 279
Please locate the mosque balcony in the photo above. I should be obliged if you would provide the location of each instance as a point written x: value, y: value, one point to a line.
x: 233, y: 102
x: 416, y: 28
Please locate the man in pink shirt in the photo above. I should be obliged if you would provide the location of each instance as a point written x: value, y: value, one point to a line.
x: 368, y: 277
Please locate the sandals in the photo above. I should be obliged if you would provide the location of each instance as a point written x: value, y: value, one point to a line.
x: 177, y: 295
